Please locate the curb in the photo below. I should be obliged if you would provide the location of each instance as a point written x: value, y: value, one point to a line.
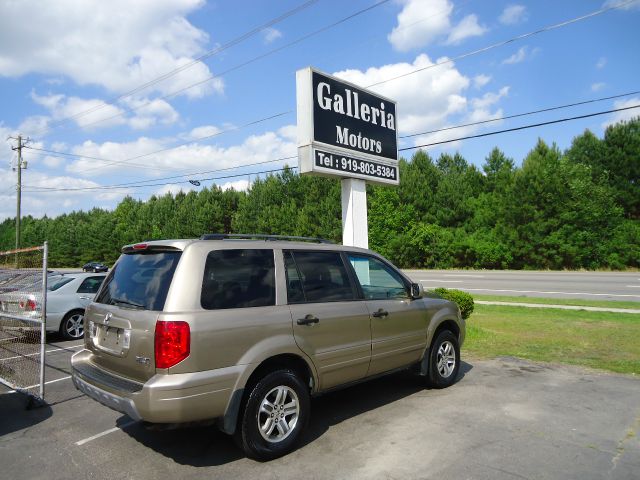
x: 561, y: 307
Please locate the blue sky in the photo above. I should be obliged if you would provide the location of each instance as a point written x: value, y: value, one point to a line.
x: 61, y: 61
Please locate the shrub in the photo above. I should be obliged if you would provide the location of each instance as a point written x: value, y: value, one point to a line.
x: 462, y: 299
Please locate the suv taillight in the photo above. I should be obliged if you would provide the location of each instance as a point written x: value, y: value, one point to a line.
x: 173, y: 342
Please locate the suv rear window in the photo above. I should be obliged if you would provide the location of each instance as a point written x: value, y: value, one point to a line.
x: 140, y: 280
x: 55, y: 284
x: 238, y: 279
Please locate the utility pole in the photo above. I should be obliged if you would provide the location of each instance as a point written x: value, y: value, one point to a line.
x: 21, y: 164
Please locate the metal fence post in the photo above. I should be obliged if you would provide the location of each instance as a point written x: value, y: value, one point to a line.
x: 43, y: 328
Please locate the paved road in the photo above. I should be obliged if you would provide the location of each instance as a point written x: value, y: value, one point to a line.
x: 504, y: 419
x: 585, y: 285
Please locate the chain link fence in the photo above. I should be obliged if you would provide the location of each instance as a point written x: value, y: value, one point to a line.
x: 23, y: 279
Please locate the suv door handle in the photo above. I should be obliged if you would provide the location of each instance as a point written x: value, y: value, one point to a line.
x: 380, y: 313
x: 308, y: 320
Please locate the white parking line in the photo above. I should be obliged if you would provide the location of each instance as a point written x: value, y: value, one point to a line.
x: 46, y: 383
x: 465, y: 276
x: 102, y: 434
x: 633, y: 286
x: 555, y: 293
x: 431, y: 280
x: 38, y: 353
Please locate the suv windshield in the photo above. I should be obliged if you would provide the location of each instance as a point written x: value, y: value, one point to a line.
x: 140, y: 280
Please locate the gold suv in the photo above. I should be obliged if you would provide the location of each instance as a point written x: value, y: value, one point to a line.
x: 244, y: 329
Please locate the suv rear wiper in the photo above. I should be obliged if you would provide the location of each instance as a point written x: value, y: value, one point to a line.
x: 125, y: 302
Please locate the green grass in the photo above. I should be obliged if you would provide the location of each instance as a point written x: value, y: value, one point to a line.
x: 608, y: 341
x: 558, y: 301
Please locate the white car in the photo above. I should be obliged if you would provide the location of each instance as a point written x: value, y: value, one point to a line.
x: 67, y: 296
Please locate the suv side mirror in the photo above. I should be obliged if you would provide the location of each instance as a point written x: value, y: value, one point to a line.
x: 417, y: 291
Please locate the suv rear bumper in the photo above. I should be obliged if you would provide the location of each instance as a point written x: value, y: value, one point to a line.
x: 164, y: 398
x: 115, y: 402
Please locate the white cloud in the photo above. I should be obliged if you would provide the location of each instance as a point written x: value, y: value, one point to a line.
x: 428, y: 100
x: 289, y: 132
x: 52, y: 162
x: 271, y: 35
x: 420, y: 22
x: 517, y: 57
x: 238, y: 186
x: 34, y: 125
x: 468, y: 27
x: 37, y: 202
x: 203, y: 131
x: 624, y: 4
x: 148, y: 113
x: 92, y: 114
x: 625, y: 114
x: 481, y: 80
x: 513, y: 14
x: 602, y: 61
x: 596, y: 87
x: 61, y: 106
x: 489, y: 99
x: 118, y: 44
x: 191, y: 157
x: 174, y: 188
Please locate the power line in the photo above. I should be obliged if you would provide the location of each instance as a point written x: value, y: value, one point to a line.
x: 56, y: 153
x: 506, y: 42
x: 598, y: 12
x: 524, y: 127
x: 110, y: 187
x: 110, y: 162
x: 186, y: 66
x: 241, y: 65
x: 141, y: 182
x: 191, y: 174
x: 465, y: 55
x: 127, y: 160
x: 549, y: 109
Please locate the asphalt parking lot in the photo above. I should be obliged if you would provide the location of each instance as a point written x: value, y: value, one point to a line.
x: 504, y: 419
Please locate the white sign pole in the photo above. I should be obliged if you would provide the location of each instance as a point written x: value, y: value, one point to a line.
x: 355, y: 230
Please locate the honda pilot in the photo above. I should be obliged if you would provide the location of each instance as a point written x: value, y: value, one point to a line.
x: 243, y: 330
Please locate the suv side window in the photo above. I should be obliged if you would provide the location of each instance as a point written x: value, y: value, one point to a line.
x: 238, y: 279
x: 90, y: 285
x: 378, y: 281
x: 317, y: 277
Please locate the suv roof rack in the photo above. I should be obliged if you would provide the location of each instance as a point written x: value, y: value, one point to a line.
x: 249, y: 236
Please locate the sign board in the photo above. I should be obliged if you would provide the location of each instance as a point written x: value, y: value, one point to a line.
x: 344, y: 130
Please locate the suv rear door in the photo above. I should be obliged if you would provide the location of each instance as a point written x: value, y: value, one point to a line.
x: 330, y: 324
x: 121, y: 321
x: 398, y: 323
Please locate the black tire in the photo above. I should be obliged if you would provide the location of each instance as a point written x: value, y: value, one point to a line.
x: 248, y: 434
x: 72, y: 325
x: 444, y: 350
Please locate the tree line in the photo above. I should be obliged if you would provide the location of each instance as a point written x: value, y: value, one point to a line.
x: 577, y: 209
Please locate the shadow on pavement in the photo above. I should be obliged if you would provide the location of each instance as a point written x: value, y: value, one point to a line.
x: 195, y: 446
x: 16, y: 413
x: 206, y: 446
x: 336, y: 407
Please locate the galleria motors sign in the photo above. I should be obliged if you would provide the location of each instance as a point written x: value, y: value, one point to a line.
x: 344, y: 130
